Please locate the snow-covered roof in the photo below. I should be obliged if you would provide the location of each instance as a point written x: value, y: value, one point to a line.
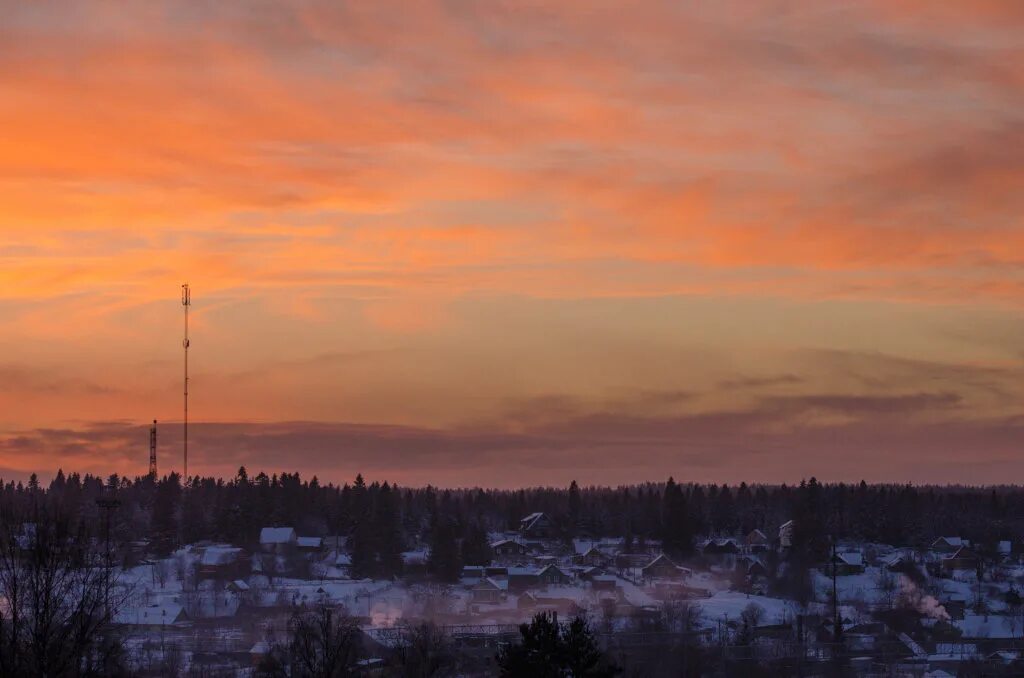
x: 987, y: 626
x: 415, y: 556
x: 220, y: 555
x: 277, y: 535
x: 530, y: 520
x: 151, y: 615
x: 487, y: 583
x: 523, y: 571
x: 309, y: 542
x: 896, y: 558
x: 853, y: 558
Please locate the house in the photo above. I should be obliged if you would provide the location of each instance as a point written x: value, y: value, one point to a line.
x: 342, y: 565
x: 963, y: 559
x: 753, y: 566
x: 309, y: 544
x: 663, y: 568
x: 472, y: 573
x: 280, y: 540
x: 626, y: 561
x: 239, y: 586
x: 151, y: 615
x: 222, y: 562
x: 721, y: 552
x: 786, y: 534
x: 848, y: 563
x: 592, y: 558
x: 508, y: 548
x: 488, y: 591
x: 948, y: 544
x: 551, y: 575
x: 604, y: 583
x: 900, y: 561
x: 756, y: 540
x: 537, y: 526
x: 522, y: 578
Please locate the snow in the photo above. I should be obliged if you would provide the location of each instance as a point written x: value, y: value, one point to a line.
x: 730, y: 604
x: 150, y: 615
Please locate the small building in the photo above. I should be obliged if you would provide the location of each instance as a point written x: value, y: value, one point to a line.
x: 848, y: 563
x: 786, y: 534
x: 756, y: 540
x: 662, y: 567
x: 309, y: 544
x: 963, y: 559
x: 342, y: 566
x: 278, y: 539
x: 721, y: 552
x: 626, y: 561
x: 472, y: 573
x: 522, y: 578
x: 604, y: 583
x: 900, y: 561
x: 508, y: 548
x: 948, y: 544
x: 552, y: 576
x: 222, y: 562
x: 593, y: 557
x: 537, y: 526
x: 488, y: 591
x: 152, y: 615
x: 239, y: 586
x: 753, y: 566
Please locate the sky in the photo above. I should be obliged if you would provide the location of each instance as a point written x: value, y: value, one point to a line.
x: 515, y: 243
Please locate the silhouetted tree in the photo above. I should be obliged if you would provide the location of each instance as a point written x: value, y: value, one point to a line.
x: 550, y: 650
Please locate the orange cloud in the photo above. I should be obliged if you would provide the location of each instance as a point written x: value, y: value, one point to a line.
x: 339, y: 178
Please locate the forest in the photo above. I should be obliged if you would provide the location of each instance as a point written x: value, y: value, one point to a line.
x: 381, y: 520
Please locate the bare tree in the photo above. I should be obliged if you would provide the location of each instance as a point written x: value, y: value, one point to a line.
x: 57, y: 600
x: 325, y: 643
x: 888, y: 585
x: 162, y: 571
x: 426, y: 652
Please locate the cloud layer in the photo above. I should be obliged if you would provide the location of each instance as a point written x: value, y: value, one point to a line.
x: 433, y: 215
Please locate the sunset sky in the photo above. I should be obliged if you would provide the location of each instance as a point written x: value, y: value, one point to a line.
x: 509, y: 243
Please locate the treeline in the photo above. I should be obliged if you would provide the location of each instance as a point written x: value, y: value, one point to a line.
x: 381, y: 520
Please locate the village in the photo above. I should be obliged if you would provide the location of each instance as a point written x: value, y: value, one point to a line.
x: 944, y: 608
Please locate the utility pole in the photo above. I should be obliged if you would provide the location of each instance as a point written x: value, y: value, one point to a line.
x: 186, y: 301
x: 152, y: 450
x: 107, y: 503
x: 837, y: 628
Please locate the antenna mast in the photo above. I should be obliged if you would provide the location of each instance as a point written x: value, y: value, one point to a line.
x: 152, y: 450
x: 186, y: 301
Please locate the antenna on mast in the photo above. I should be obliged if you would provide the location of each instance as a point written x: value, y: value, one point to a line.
x: 152, y: 450
x: 186, y: 301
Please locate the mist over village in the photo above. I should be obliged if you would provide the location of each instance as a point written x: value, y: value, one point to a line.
x: 524, y: 339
